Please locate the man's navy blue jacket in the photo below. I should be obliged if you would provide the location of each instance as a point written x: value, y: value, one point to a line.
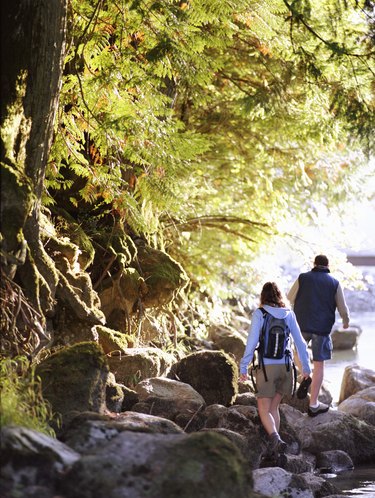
x: 315, y: 303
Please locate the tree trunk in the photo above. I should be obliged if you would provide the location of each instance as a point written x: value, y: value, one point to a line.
x: 33, y: 42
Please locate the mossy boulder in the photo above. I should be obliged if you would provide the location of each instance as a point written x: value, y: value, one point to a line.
x: 213, y: 374
x: 136, y: 364
x: 135, y: 465
x: 162, y: 274
x: 74, y: 379
x: 113, y: 340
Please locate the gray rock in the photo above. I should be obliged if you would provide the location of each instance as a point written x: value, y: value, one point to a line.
x: 355, y: 379
x: 90, y: 431
x: 361, y: 405
x: 334, y: 461
x: 333, y: 430
x: 213, y: 374
x: 228, y: 339
x: 167, y: 388
x: 278, y: 482
x: 31, y: 462
x: 171, y: 399
x: 134, y: 465
x: 188, y: 414
x: 299, y: 464
x: 135, y: 364
x: 241, y: 420
x: 345, y: 338
x: 275, y: 481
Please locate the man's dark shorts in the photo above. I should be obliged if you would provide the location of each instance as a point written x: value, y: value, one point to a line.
x: 321, y: 346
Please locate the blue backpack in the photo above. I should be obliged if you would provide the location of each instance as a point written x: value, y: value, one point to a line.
x: 274, y: 343
x: 274, y: 337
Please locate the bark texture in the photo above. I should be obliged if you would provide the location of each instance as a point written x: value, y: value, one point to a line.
x: 33, y: 43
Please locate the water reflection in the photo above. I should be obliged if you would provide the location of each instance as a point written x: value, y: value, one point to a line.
x: 361, y: 480
x: 357, y: 482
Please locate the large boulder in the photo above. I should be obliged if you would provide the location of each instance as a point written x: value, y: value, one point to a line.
x: 167, y: 388
x: 136, y: 364
x: 89, y: 431
x: 241, y: 420
x: 228, y: 339
x: 213, y: 374
x: 334, y: 461
x: 333, y: 430
x: 361, y: 405
x: 74, y: 379
x: 345, y: 338
x: 134, y: 465
x: 278, y: 482
x: 355, y: 379
x: 171, y: 399
x: 31, y: 462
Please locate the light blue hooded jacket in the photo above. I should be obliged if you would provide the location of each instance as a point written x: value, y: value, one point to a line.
x: 295, y: 333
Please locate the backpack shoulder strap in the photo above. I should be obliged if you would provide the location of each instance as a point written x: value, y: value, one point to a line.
x: 261, y: 342
x: 263, y: 311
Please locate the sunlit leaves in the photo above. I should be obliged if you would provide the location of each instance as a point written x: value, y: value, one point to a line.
x: 247, y: 110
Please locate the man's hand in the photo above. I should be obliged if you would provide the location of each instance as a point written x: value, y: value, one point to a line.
x: 244, y: 377
x: 345, y: 326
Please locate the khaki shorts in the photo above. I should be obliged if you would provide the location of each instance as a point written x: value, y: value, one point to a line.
x: 279, y: 381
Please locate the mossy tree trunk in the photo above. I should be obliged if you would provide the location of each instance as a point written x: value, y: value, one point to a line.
x: 33, y: 43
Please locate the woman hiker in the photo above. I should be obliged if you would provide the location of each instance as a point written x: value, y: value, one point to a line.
x: 278, y: 371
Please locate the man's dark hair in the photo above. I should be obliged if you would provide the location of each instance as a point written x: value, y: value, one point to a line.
x: 321, y: 260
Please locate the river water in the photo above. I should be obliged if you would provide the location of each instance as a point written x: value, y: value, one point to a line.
x: 360, y: 481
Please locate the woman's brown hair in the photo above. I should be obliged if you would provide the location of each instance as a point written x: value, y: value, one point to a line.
x: 271, y: 295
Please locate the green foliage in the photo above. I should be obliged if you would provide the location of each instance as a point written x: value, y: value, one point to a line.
x: 22, y: 402
x: 208, y: 126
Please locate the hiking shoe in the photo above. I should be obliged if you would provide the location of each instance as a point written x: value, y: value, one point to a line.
x: 321, y: 408
x: 303, y: 388
x: 277, y: 446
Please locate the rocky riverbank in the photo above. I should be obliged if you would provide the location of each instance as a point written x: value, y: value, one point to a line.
x: 363, y: 300
x: 192, y: 430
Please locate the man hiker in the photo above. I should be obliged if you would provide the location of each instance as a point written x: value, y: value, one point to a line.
x: 315, y: 296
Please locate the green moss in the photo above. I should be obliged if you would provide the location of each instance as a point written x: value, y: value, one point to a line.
x: 158, y: 265
x: 92, y: 352
x: 74, y: 378
x: 16, y: 200
x: 22, y: 402
x: 214, y: 467
x: 213, y: 374
x: 112, y: 340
